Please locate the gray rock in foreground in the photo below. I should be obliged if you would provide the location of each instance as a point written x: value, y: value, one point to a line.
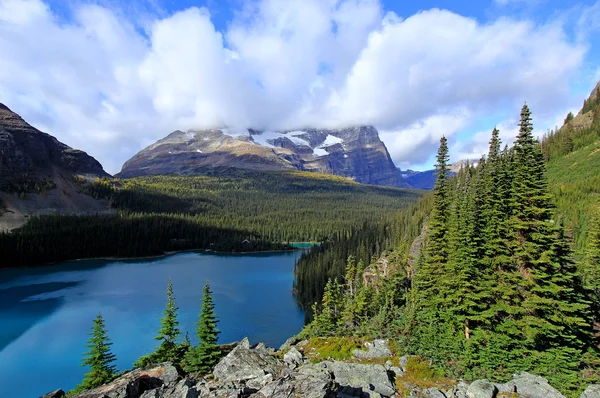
x: 260, y: 372
x: 54, y: 394
x: 592, y: 391
x: 376, y: 349
x: 531, y: 386
x: 482, y: 389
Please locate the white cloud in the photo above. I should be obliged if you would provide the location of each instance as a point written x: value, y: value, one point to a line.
x: 101, y: 85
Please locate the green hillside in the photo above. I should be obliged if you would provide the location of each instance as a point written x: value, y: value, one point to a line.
x: 217, y: 211
x: 573, y: 154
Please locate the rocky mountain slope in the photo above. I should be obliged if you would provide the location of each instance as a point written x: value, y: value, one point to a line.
x: 36, y: 173
x: 355, y: 152
x: 260, y: 372
x: 426, y: 179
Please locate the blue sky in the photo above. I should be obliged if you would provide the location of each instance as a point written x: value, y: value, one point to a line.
x: 112, y: 76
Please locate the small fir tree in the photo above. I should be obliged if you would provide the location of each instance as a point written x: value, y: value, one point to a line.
x: 203, y: 358
x: 169, y: 330
x: 99, y: 358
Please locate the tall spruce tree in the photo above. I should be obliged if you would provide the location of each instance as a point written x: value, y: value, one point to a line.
x: 99, y: 358
x: 169, y: 330
x: 203, y: 357
x: 546, y: 306
x: 427, y: 278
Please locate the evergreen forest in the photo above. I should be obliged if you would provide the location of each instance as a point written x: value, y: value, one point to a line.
x: 226, y: 210
x: 494, y: 273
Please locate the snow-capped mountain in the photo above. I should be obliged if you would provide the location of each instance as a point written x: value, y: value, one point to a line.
x: 355, y: 152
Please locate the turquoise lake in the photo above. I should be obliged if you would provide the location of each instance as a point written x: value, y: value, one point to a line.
x: 46, y: 312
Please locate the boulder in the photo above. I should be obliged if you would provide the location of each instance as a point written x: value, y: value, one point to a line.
x: 368, y: 377
x: 530, y: 386
x: 314, y: 381
x: 482, y: 389
x: 593, y: 391
x: 243, y: 364
x: 293, y: 357
x: 376, y: 349
x: 54, y: 394
x: 432, y: 393
x: 136, y: 383
x: 289, y: 343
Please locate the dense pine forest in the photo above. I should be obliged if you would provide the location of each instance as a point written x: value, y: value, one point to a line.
x: 492, y: 285
x: 226, y: 210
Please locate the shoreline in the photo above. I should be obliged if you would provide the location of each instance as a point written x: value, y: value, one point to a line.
x: 157, y: 256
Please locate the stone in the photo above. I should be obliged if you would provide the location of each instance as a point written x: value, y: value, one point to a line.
x: 54, y: 394
x: 506, y: 387
x: 245, y: 343
x: 530, y: 386
x: 259, y: 382
x: 593, y: 391
x: 482, y: 389
x: 314, y: 381
x: 136, y: 383
x: 368, y: 377
x: 293, y: 357
x: 243, y: 364
x: 376, y: 349
x: 433, y: 393
x: 292, y: 341
x: 183, y: 389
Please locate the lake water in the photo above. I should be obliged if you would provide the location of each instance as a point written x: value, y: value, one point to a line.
x: 46, y: 313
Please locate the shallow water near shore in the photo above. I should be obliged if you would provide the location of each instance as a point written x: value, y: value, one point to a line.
x: 46, y: 312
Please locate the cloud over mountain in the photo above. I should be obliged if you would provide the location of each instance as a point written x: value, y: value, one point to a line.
x: 103, y: 84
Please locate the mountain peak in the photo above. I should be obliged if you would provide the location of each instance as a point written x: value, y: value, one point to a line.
x: 354, y: 152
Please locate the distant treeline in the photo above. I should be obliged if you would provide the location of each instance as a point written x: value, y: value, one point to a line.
x: 219, y: 211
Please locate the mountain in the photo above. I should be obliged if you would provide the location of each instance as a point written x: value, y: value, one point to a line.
x: 419, y: 179
x: 426, y: 179
x: 355, y: 152
x: 37, y: 173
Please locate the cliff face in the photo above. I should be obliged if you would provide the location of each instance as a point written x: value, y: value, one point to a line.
x: 36, y: 173
x: 355, y: 152
x: 26, y: 152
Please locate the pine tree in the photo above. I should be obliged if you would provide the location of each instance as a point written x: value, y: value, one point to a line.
x: 429, y: 276
x: 99, y: 358
x: 169, y: 330
x: 327, y: 316
x: 203, y: 357
x: 547, y: 306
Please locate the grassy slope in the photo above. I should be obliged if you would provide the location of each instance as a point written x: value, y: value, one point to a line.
x: 575, y: 183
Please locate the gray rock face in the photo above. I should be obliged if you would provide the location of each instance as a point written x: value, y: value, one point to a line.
x: 593, y: 391
x: 376, y: 349
x: 293, y: 357
x: 151, y: 382
x: 355, y: 152
x: 368, y: 377
x: 482, y: 389
x: 243, y: 364
x: 54, y: 394
x: 433, y: 393
x: 27, y: 153
x: 530, y: 386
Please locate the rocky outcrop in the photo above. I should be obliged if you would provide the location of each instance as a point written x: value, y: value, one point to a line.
x: 37, y: 174
x: 260, y: 372
x: 355, y: 152
x: 26, y: 152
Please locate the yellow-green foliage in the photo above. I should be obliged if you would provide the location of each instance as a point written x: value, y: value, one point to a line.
x: 338, y: 348
x: 420, y: 374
